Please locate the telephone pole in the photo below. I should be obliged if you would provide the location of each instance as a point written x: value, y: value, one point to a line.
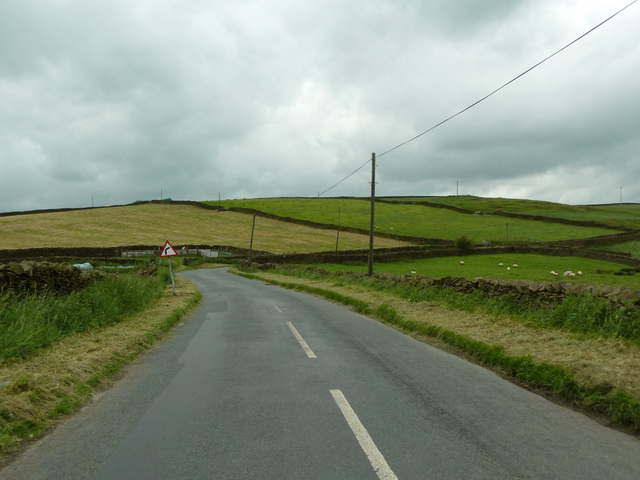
x: 373, y: 206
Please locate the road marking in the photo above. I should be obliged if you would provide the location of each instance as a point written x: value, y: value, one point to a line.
x: 277, y: 309
x: 303, y: 344
x: 379, y: 464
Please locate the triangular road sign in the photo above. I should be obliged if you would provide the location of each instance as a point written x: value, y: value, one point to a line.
x: 168, y: 250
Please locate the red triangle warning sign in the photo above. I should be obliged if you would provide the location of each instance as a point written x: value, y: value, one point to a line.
x: 168, y: 250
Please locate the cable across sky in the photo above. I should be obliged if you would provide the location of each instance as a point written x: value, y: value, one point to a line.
x: 483, y: 98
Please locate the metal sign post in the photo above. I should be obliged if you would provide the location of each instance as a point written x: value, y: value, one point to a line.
x: 168, y: 251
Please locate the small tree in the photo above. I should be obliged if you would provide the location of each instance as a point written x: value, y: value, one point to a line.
x: 464, y: 243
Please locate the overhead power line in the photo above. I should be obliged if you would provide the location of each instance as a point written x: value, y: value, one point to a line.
x: 485, y: 97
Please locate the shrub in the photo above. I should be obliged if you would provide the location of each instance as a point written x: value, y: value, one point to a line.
x: 464, y: 243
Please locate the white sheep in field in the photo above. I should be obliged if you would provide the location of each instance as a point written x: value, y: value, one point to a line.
x: 501, y: 264
x: 569, y: 273
x: 515, y: 265
x: 413, y: 271
x: 555, y: 274
x: 579, y: 272
x: 508, y: 268
x: 461, y: 262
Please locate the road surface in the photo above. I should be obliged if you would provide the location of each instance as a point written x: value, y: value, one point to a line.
x: 266, y: 383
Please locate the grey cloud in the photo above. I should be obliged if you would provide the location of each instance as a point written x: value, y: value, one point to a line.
x: 117, y: 100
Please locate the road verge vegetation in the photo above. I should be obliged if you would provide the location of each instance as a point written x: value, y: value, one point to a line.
x: 32, y: 322
x: 56, y: 351
x: 583, y: 352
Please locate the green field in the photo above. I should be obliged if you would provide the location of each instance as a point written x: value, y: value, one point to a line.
x: 530, y: 267
x: 628, y: 247
x: 417, y: 220
x: 626, y: 215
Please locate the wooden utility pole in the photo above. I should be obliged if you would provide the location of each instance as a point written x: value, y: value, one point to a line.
x: 253, y: 227
x: 373, y: 207
x: 338, y: 232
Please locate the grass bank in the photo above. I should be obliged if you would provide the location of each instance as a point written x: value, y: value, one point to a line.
x: 592, y: 371
x: 37, y: 391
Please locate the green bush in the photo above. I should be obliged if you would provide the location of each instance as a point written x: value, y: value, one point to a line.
x: 463, y: 243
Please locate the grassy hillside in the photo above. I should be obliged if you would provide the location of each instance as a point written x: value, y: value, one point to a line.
x: 613, y: 215
x: 417, y: 220
x: 153, y: 224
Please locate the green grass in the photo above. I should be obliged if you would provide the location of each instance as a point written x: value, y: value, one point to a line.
x: 530, y: 267
x: 417, y: 220
x: 36, y: 321
x: 629, y: 247
x: 613, y: 215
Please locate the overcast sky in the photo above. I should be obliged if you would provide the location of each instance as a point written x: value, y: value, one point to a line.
x: 122, y: 100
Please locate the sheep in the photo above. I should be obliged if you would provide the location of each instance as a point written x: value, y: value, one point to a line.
x: 569, y: 273
x: 413, y: 271
x: 515, y: 265
x: 555, y: 274
x: 461, y: 262
x: 501, y: 264
x: 508, y: 268
x: 579, y: 272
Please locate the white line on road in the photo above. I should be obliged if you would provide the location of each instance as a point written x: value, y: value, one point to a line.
x: 303, y: 344
x: 376, y: 459
x: 277, y: 309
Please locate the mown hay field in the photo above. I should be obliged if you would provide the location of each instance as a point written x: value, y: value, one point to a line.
x: 153, y: 224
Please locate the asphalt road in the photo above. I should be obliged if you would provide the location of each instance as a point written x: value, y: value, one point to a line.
x: 266, y: 383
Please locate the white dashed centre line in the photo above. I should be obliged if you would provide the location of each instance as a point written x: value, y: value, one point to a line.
x: 303, y: 344
x: 379, y: 464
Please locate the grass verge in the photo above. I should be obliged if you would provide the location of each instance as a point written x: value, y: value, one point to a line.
x: 596, y: 375
x: 36, y: 392
x: 32, y: 322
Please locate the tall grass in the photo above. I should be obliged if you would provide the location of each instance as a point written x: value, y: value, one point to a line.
x: 36, y: 321
x: 594, y: 316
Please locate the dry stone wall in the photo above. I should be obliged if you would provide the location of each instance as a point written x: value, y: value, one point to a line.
x: 44, y: 277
